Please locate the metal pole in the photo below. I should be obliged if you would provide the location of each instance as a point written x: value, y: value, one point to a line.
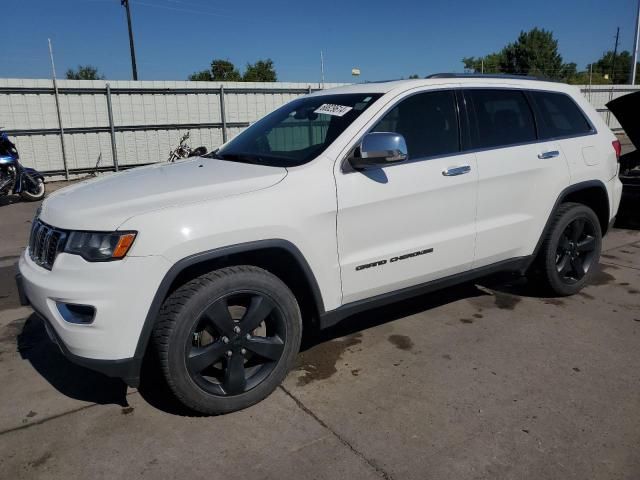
x: 322, y: 69
x: 114, y: 151
x: 57, y: 96
x: 223, y: 116
x: 636, y: 41
x: 609, y: 111
x: 309, y: 124
x: 615, y: 54
x: 131, y: 47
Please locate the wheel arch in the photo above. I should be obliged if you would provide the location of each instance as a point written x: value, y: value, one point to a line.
x: 594, y: 195
x: 591, y: 193
x: 280, y: 257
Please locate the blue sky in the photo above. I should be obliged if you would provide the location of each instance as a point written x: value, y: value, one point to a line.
x: 385, y: 39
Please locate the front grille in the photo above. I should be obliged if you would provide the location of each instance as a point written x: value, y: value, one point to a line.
x: 45, y: 244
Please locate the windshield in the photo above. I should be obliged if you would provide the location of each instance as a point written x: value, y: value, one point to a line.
x: 297, y: 132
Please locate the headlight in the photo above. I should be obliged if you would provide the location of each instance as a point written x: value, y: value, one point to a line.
x: 100, y: 246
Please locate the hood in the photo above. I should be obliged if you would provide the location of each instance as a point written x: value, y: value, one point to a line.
x: 105, y: 203
x: 627, y: 110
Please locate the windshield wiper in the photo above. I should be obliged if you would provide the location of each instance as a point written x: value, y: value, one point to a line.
x: 237, y: 157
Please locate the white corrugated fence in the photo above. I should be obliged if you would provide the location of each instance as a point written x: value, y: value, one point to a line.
x: 149, y: 117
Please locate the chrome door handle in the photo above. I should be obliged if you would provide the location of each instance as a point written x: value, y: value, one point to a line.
x: 453, y: 171
x: 550, y: 154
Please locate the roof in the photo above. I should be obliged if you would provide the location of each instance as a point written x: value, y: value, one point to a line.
x: 488, y: 75
x: 445, y: 79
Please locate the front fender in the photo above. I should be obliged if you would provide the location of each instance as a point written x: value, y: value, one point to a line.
x: 20, y: 177
x: 33, y: 173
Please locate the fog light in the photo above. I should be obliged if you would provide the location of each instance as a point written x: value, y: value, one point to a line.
x: 80, y: 314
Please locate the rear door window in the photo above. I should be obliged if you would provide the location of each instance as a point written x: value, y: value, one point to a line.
x: 558, y: 115
x: 500, y: 118
x: 428, y: 121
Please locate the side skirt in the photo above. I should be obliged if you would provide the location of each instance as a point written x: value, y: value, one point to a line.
x: 332, y: 317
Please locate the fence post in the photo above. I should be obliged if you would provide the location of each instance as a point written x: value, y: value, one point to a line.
x: 309, y: 121
x: 223, y: 115
x: 57, y: 96
x: 112, y: 129
x: 609, y: 111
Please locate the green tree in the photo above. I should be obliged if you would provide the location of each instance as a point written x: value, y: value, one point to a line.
x: 617, y: 68
x: 84, y: 72
x: 411, y: 77
x: 487, y: 64
x: 202, y: 76
x: 534, y: 53
x: 224, y: 71
x: 261, y: 71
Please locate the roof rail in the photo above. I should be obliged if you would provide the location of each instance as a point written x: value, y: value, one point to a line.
x: 488, y: 75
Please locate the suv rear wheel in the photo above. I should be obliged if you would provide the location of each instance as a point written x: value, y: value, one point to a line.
x: 571, y: 250
x: 228, y: 338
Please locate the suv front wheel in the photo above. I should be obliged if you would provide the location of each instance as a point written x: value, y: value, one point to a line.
x: 571, y: 250
x: 227, y: 339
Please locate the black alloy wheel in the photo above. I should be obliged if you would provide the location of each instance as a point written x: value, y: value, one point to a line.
x: 236, y: 343
x: 226, y: 339
x: 570, y: 250
x: 576, y: 250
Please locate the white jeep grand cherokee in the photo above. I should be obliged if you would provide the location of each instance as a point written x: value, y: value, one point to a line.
x: 339, y: 201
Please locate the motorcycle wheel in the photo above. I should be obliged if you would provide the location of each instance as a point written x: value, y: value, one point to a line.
x: 34, y: 192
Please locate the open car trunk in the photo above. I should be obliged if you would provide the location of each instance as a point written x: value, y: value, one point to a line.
x: 627, y: 110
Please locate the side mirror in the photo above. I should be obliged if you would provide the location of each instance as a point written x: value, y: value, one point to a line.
x: 198, y: 152
x: 379, y: 149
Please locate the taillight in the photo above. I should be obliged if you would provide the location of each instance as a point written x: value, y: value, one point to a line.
x: 618, y: 148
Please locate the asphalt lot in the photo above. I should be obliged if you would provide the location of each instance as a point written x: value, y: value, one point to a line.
x: 477, y: 381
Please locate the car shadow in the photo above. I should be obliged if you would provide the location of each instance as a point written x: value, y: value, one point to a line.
x: 389, y: 313
x: 155, y: 391
x: 629, y: 214
x: 83, y: 384
x: 68, y: 378
x: 9, y: 200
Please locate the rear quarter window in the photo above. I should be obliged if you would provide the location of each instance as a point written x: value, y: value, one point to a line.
x: 500, y: 117
x: 558, y: 115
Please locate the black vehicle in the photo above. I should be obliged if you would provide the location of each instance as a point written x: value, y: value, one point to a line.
x: 626, y: 109
x: 16, y: 179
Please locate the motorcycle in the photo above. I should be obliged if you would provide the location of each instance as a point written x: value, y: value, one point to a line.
x: 15, y: 178
x: 184, y: 151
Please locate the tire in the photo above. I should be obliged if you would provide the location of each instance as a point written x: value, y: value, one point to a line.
x: 35, y: 195
x: 227, y: 339
x: 570, y: 251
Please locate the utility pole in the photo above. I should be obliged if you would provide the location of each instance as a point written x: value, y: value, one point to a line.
x: 125, y: 4
x: 636, y: 41
x: 322, y: 69
x: 59, y: 113
x: 615, y: 54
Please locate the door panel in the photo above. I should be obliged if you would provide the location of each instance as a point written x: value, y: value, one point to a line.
x: 408, y: 223
x: 518, y: 177
x: 516, y: 192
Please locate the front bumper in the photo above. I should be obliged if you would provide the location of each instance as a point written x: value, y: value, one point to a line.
x: 121, y: 293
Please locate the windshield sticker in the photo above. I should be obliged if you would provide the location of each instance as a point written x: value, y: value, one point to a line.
x: 332, y: 109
